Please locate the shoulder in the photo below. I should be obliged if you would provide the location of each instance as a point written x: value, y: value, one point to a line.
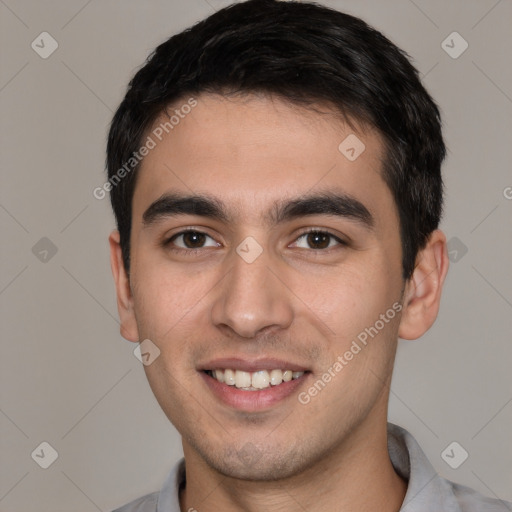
x: 427, y: 490
x: 146, y: 503
x: 470, y: 500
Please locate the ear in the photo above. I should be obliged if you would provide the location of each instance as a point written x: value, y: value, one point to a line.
x: 129, y: 328
x: 422, y: 294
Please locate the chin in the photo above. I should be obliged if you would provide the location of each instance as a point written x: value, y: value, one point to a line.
x: 253, y: 464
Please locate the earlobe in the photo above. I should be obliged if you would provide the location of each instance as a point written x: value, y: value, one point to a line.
x: 125, y: 308
x: 422, y: 295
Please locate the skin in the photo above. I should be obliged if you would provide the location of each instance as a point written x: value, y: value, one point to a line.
x: 294, y: 302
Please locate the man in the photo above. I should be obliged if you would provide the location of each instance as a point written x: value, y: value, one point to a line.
x: 275, y: 176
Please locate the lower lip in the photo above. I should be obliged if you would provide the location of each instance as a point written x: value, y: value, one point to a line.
x: 250, y: 401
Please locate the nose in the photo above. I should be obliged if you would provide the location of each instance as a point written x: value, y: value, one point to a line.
x: 252, y: 299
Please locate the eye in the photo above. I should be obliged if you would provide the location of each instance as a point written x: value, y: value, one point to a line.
x: 191, y: 239
x: 317, y: 239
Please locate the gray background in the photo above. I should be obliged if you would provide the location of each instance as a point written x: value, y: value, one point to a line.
x: 68, y: 378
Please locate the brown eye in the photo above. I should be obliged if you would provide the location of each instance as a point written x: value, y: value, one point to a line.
x: 192, y: 240
x: 317, y: 240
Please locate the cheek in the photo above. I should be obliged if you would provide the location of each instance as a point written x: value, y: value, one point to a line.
x: 351, y: 298
x: 163, y: 297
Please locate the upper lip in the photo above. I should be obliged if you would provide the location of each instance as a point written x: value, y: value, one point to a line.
x: 250, y: 365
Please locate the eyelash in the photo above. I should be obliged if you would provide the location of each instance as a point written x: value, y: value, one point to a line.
x: 195, y: 252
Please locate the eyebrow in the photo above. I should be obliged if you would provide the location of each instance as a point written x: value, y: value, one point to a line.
x: 323, y: 203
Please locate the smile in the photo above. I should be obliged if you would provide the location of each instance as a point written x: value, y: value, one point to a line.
x: 253, y: 381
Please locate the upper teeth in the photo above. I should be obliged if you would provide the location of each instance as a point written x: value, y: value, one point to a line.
x: 254, y: 380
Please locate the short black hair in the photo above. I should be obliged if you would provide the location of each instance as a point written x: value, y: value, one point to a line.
x: 303, y: 53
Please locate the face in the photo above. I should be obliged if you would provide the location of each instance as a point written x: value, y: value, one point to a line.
x: 259, y: 248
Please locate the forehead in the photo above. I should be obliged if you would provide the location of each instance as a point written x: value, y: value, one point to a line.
x: 251, y: 151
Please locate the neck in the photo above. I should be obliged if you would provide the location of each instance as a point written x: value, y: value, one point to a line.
x: 357, y: 475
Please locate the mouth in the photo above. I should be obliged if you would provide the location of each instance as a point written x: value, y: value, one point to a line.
x: 253, y: 381
x: 252, y: 386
